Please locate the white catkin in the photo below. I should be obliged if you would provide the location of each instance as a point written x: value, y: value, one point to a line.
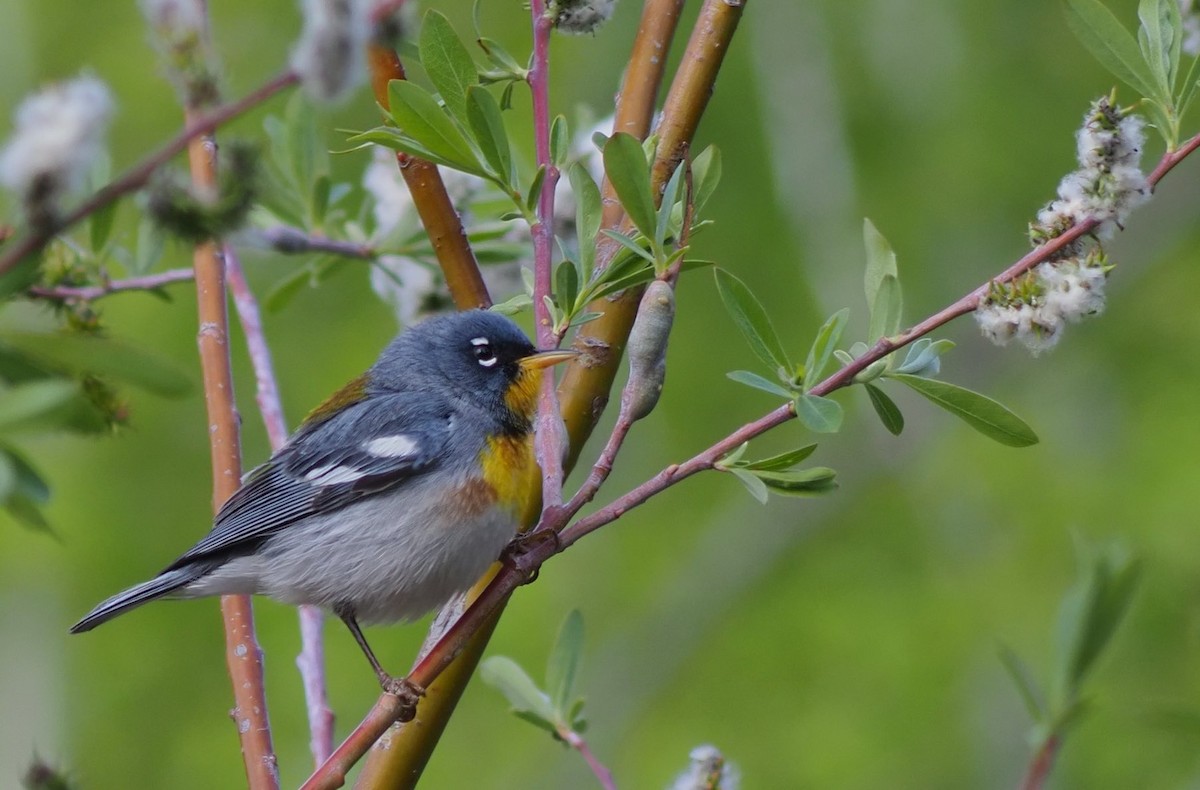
x: 705, y: 761
x: 580, y: 17
x: 59, y: 134
x: 330, y: 56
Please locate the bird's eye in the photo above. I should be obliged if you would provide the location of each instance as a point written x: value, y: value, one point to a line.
x: 482, y: 349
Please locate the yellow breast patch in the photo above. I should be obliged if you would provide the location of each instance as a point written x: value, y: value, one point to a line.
x: 510, y: 469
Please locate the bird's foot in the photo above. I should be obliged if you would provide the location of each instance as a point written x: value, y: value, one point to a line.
x: 407, y: 692
x: 528, y: 550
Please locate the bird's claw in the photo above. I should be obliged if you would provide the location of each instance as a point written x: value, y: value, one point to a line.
x: 408, y: 694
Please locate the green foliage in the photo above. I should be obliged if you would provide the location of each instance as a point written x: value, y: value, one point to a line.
x: 778, y: 473
x: 555, y: 707
x: 1149, y: 64
x: 1090, y: 613
x: 979, y: 411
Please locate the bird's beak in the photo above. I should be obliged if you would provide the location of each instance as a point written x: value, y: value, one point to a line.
x: 544, y: 359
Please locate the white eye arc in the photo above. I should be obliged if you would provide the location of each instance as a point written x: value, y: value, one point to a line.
x: 482, y: 348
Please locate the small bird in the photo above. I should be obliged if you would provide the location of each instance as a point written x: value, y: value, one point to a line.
x: 393, y: 495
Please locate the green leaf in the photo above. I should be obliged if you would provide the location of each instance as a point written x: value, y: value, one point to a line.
x: 886, y: 408
x: 560, y: 142
x: 923, y: 357
x: 1111, y: 44
x: 822, y: 348
x: 881, y: 261
x: 625, y: 165
x: 758, y: 382
x: 979, y: 411
x: 564, y: 663
x: 26, y: 406
x: 447, y: 62
x: 819, y: 415
x: 151, y: 240
x: 100, y: 225
x: 507, y: 677
x: 782, y: 461
x: 8, y: 477
x: 887, y: 311
x: 1156, y: 40
x: 535, y: 190
x: 752, y: 320
x: 417, y: 113
x: 756, y: 487
x: 514, y: 305
x: 670, y: 197
x: 629, y: 244
x: 706, y: 174
x: 1023, y: 679
x: 566, y: 285
x: 487, y: 125
x: 588, y: 213
x: 1091, y: 612
x: 30, y: 483
x: 104, y: 357
x: 802, y: 482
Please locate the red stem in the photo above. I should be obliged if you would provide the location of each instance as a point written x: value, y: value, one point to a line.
x: 577, y: 742
x: 1042, y: 763
x: 311, y: 661
x: 87, y: 293
x: 135, y: 178
x: 549, y: 429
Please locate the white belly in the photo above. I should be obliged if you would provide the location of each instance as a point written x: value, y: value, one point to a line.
x: 391, y: 557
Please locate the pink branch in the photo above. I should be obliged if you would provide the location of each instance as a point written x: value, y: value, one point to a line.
x: 87, y: 293
x: 576, y: 742
x: 135, y: 178
x: 1043, y: 762
x: 550, y: 432
x: 311, y: 660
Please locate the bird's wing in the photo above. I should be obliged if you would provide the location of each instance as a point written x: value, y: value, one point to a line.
x: 371, y: 446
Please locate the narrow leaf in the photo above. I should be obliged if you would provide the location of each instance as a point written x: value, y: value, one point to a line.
x: 822, y: 348
x: 756, y: 487
x: 102, y: 356
x: 758, y: 382
x: 417, y: 113
x: 447, y: 62
x: 670, y: 197
x: 979, y: 411
x: 804, y: 482
x: 23, y: 405
x: 820, y: 415
x: 887, y: 310
x: 625, y: 164
x: 1155, y: 38
x: 1110, y: 43
x: 507, y: 677
x: 588, y: 212
x: 881, y: 261
x: 100, y: 225
x: 1023, y: 679
x: 560, y: 141
x: 566, y: 285
x: 629, y: 244
x: 752, y: 320
x: 706, y: 174
x: 886, y: 408
x: 784, y: 460
x: 535, y: 190
x: 564, y: 663
x: 487, y: 125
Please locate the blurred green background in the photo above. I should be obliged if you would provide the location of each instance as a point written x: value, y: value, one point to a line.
x: 845, y: 642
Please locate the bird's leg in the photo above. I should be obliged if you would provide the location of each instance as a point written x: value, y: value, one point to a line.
x: 408, y: 692
x: 521, y: 554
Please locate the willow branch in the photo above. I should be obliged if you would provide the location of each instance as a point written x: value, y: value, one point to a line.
x: 88, y: 293
x: 585, y: 385
x: 243, y: 656
x: 136, y: 177
x: 1042, y: 763
x: 438, y: 215
x: 294, y: 241
x: 311, y: 661
x: 445, y: 670
x: 549, y: 428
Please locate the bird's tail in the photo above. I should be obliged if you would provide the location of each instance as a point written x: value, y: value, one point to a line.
x: 162, y: 584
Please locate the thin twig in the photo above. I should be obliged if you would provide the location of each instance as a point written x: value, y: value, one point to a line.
x: 311, y: 661
x: 243, y: 655
x: 549, y: 431
x: 137, y: 176
x: 88, y: 293
x: 294, y: 241
x: 1041, y: 764
x: 577, y: 742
